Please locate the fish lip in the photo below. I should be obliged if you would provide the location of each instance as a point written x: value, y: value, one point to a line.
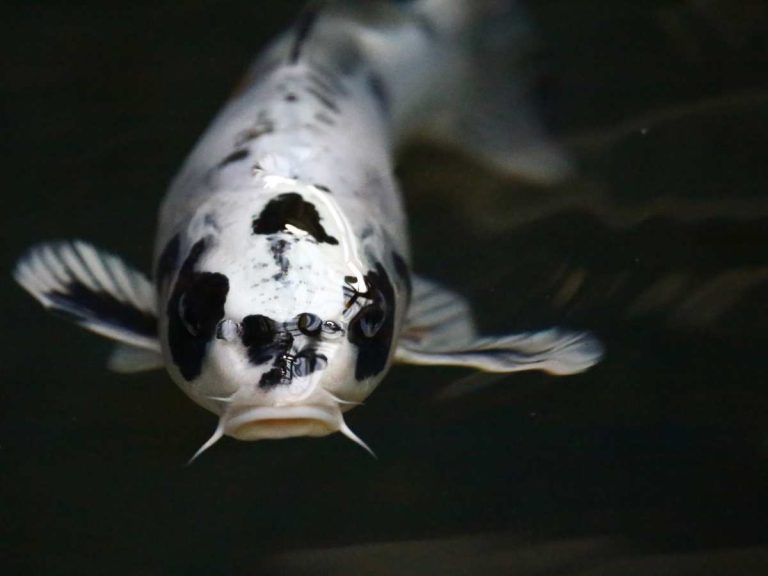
x: 243, y: 422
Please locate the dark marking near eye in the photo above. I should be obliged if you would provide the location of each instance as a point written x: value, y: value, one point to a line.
x: 273, y: 377
x: 204, y: 295
x: 78, y: 303
x: 403, y: 271
x: 373, y: 351
x: 379, y: 91
x: 291, y: 209
x: 168, y: 260
x: 323, y: 188
x: 236, y: 156
x: 323, y: 99
x: 304, y: 26
x: 290, y: 97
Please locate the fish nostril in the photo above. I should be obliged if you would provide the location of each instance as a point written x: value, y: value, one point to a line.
x: 228, y: 330
x: 309, y: 324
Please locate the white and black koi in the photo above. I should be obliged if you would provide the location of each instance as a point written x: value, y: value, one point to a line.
x: 282, y: 287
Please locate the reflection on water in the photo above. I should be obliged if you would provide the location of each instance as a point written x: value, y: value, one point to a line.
x: 654, y: 461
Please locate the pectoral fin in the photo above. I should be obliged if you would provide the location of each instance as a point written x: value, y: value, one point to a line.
x: 554, y: 351
x: 437, y: 318
x: 439, y: 331
x: 94, y: 289
x: 127, y: 359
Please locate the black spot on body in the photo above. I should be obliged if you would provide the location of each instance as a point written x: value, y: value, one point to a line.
x: 279, y: 248
x: 329, y: 76
x: 236, y: 156
x: 273, y: 377
x: 327, y: 83
x: 323, y: 99
x: 291, y: 209
x: 168, y: 260
x: 290, y: 97
x: 373, y: 351
x: 194, y: 309
x: 303, y: 28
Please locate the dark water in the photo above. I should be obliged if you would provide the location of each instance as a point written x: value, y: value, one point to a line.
x: 654, y: 462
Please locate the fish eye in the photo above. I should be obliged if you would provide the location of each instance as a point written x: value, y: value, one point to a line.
x: 370, y: 320
x: 310, y: 324
x: 331, y: 328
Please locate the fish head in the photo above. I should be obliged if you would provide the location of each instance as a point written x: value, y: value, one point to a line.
x: 275, y: 322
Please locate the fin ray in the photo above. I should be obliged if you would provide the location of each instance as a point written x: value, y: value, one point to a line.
x: 436, y: 317
x: 555, y: 351
x: 94, y: 289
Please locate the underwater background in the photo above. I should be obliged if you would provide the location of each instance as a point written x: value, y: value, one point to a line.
x: 653, y: 462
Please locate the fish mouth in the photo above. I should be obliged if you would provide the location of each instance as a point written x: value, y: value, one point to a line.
x: 275, y: 422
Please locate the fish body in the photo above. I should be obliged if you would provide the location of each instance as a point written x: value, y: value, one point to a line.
x: 282, y: 285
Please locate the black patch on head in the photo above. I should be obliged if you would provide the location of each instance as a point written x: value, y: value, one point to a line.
x: 403, y: 271
x: 236, y: 156
x: 291, y: 209
x: 194, y: 309
x: 379, y: 91
x: 372, y: 330
x: 304, y: 26
x: 168, y: 260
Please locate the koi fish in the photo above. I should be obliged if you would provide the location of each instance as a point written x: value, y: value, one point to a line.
x: 282, y: 288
